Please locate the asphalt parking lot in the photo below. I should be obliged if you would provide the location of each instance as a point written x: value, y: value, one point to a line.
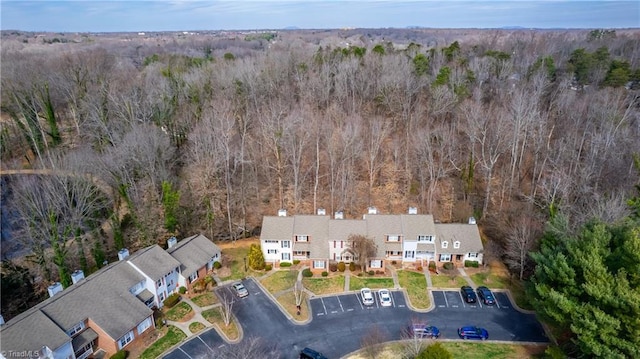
x: 340, y: 322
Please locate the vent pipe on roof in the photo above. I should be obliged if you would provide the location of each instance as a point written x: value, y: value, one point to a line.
x: 282, y: 213
x: 472, y: 220
x: 413, y: 210
x: 55, y: 288
x: 123, y: 253
x: 339, y: 215
x: 322, y: 212
x: 172, y: 242
x: 77, y: 276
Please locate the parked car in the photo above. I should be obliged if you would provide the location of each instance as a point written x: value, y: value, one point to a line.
x: 240, y: 290
x: 472, y: 332
x: 486, y: 296
x: 423, y: 331
x: 385, y: 297
x: 468, y: 294
x: 367, y: 296
x: 308, y: 353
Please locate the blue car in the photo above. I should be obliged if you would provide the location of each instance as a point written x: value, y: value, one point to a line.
x: 422, y: 331
x: 471, y: 332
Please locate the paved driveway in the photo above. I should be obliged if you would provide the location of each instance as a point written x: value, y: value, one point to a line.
x: 340, y: 323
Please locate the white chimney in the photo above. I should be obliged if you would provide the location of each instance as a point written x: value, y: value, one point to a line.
x: 55, y: 288
x: 322, y: 212
x: 373, y: 210
x: 123, y: 253
x: 76, y: 276
x: 282, y: 213
x: 413, y: 210
x: 472, y: 220
x: 172, y: 242
x: 339, y: 215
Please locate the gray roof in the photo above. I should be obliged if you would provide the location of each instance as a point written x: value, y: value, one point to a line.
x: 30, y: 331
x: 379, y: 226
x: 277, y: 228
x: 193, y: 253
x: 154, y: 262
x: 467, y: 234
x: 103, y: 296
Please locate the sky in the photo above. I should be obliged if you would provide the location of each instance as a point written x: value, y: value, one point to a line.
x: 194, y: 15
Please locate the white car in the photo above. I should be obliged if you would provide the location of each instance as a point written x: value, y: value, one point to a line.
x: 367, y: 296
x: 385, y: 297
x: 240, y: 290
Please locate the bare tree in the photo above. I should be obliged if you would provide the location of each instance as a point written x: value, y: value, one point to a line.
x: 226, y: 306
x: 249, y: 348
x: 372, y: 342
x: 363, y: 248
x: 521, y: 238
x: 412, y: 344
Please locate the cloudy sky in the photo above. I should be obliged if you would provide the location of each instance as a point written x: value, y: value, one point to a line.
x: 141, y: 15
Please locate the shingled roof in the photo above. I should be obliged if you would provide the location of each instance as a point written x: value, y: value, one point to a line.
x: 193, y: 253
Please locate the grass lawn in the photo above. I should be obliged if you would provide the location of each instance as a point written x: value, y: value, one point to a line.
x: 171, y: 338
x: 416, y: 286
x: 280, y: 280
x: 196, y: 327
x: 444, y: 281
x: 469, y: 350
x: 214, y: 316
x: 288, y: 302
x: 357, y: 283
x: 205, y: 299
x: 321, y: 286
x: 490, y: 280
x: 179, y: 313
x: 236, y: 252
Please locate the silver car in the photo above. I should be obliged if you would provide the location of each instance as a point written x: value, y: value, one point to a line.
x: 240, y: 290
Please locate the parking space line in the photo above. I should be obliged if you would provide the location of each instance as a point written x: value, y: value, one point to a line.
x: 462, y: 300
x: 339, y: 302
x: 185, y: 353
x: 323, y: 306
x: 359, y: 301
x: 207, y: 345
x: 446, y: 302
x: 496, y: 300
x: 393, y: 301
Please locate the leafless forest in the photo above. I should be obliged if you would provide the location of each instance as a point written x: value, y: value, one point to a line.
x: 208, y: 132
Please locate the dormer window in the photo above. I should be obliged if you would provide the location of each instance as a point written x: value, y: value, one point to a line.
x: 302, y: 238
x: 445, y: 244
x: 425, y: 239
x: 456, y: 244
x: 393, y: 238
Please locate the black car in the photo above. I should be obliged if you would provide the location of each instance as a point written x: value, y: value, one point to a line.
x: 468, y: 294
x: 486, y: 296
x: 308, y: 353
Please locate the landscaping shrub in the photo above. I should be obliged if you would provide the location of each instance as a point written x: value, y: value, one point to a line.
x: 172, y: 300
x: 360, y: 274
x: 325, y: 274
x: 357, y: 267
x: 208, y: 279
x: 296, y: 261
x: 371, y: 272
x: 122, y: 354
x: 307, y: 273
x: 432, y: 266
x: 217, y: 265
x: 182, y: 290
x: 448, y: 265
x: 268, y: 267
x: 352, y: 266
x: 285, y: 264
x: 394, y: 262
x: 379, y: 272
x: 333, y: 267
x: 342, y: 266
x: 199, y: 285
x: 419, y: 268
x: 473, y: 264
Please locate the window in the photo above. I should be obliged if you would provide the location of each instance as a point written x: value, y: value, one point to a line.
x: 286, y: 244
x: 193, y: 277
x: 300, y: 253
x: 76, y: 329
x: 302, y: 238
x: 159, y: 282
x: 270, y: 241
x: 445, y: 244
x: 456, y: 244
x: 286, y: 256
x: 445, y: 258
x: 272, y: 251
x: 472, y: 255
x: 161, y: 296
x: 425, y: 239
x: 318, y: 264
x: 126, y: 339
x: 409, y: 254
x: 144, y: 325
x: 393, y: 238
x: 334, y: 244
x: 393, y: 253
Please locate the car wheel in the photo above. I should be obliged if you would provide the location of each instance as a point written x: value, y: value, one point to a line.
x: 483, y: 338
x: 465, y: 337
x: 434, y: 337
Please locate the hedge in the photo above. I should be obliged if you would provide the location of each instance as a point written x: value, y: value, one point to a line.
x: 448, y: 265
x: 307, y: 273
x: 285, y: 264
x: 296, y: 261
x: 182, y: 290
x: 122, y: 354
x: 325, y: 273
x: 172, y: 300
x: 217, y: 265
x: 473, y: 264
x: 342, y: 267
x: 268, y: 267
